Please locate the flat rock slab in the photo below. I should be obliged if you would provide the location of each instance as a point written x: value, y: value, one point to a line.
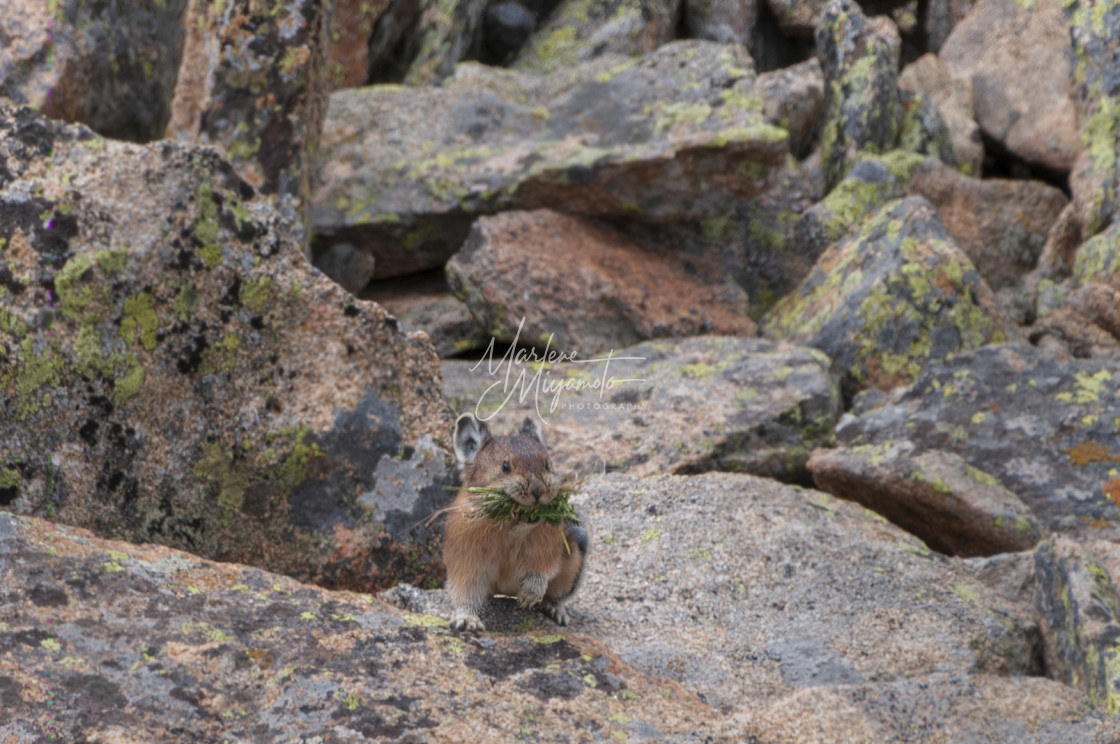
x: 595, y: 290
x: 681, y: 406
x: 678, y: 134
x: 184, y: 377
x: 761, y: 598
x: 953, y: 507
x: 108, y: 641
x: 1043, y: 427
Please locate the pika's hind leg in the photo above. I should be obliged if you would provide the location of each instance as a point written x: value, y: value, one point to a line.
x: 564, y: 584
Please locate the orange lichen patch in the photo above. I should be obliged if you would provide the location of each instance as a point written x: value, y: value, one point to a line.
x: 1087, y: 452
x: 1112, y: 490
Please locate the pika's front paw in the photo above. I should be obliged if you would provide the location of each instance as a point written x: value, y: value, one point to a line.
x: 466, y: 620
x: 557, y: 614
x: 532, y: 591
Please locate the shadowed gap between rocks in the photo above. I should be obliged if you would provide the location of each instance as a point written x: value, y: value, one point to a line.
x: 999, y: 162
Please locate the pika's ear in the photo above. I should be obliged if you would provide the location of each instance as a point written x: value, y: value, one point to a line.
x: 470, y: 435
x: 532, y: 427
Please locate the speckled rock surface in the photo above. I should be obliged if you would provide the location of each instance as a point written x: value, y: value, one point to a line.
x: 108, y: 641
x: 254, y: 84
x: 447, y: 33
x: 953, y: 507
x: 749, y: 594
x: 705, y: 403
x: 1080, y: 609
x: 543, y: 274
x: 1022, y: 100
x: 182, y: 376
x: 1098, y: 260
x: 579, y: 30
x: 678, y: 134
x: 864, y: 109
x: 1043, y: 427
x: 725, y: 21
x: 109, y: 65
x: 797, y: 17
x: 954, y: 99
x: 794, y: 99
x: 889, y: 299
x: 1096, y: 93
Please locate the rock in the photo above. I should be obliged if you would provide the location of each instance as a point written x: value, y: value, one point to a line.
x: 941, y: 17
x: 746, y: 592
x: 579, y: 30
x: 1096, y: 92
x: 1100, y: 304
x: 678, y: 135
x: 348, y: 266
x: 687, y: 406
x: 506, y: 26
x: 936, y: 707
x: 953, y: 507
x: 425, y: 303
x: 175, y: 372
x: 351, y: 32
x: 1002, y: 225
x: 395, y: 41
x: 108, y: 65
x: 725, y: 21
x: 1098, y: 260
x: 888, y: 300
x: 955, y: 103
x: 447, y: 34
x: 1080, y: 620
x: 1066, y: 332
x: 1022, y: 100
x: 794, y: 101
x: 253, y: 84
x: 158, y: 643
x: 1043, y: 427
x: 603, y: 292
x: 797, y: 17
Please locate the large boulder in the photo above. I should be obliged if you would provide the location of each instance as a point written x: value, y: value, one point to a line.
x: 174, y: 371
x: 254, y: 83
x: 889, y: 299
x: 1023, y: 98
x: 764, y: 600
x: 109, y: 65
x: 679, y: 134
x: 144, y: 643
x: 1043, y: 427
x: 954, y: 99
x: 598, y: 292
x: 446, y: 34
x: 351, y: 34
x: 677, y: 406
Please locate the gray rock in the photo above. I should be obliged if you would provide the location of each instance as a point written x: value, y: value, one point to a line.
x: 687, y: 406
x: 426, y: 304
x: 109, y: 65
x: 954, y: 100
x: 1043, y: 427
x: 596, y: 290
x: 446, y: 34
x: 351, y: 268
x: 506, y: 26
x: 1080, y: 620
x: 888, y: 300
x: 190, y: 380
x: 580, y: 30
x: 794, y: 99
x: 677, y: 135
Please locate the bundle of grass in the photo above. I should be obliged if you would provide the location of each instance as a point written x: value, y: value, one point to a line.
x: 499, y: 506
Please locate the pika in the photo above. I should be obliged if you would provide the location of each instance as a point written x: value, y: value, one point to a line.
x: 539, y: 562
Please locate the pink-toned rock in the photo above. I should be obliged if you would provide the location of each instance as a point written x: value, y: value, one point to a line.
x: 352, y: 32
x: 587, y: 286
x: 1018, y: 60
x: 954, y: 101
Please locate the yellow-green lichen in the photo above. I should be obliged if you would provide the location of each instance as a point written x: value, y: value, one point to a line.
x: 218, y: 468
x: 9, y: 478
x: 72, y: 297
x: 140, y: 319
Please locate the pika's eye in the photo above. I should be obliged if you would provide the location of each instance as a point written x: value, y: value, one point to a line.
x: 548, y: 464
x: 505, y: 466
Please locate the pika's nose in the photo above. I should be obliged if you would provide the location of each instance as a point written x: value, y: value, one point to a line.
x: 537, y: 489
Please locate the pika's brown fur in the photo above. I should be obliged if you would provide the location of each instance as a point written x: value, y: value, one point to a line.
x: 485, y: 557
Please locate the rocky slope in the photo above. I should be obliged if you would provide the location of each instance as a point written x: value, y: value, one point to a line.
x: 817, y: 302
